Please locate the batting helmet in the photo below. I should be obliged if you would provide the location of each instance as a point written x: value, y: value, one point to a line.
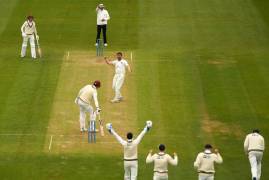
x: 97, y: 84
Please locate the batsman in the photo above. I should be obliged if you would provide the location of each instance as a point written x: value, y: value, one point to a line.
x: 83, y: 100
x: 29, y: 32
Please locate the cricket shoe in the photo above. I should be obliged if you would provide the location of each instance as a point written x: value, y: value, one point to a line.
x: 120, y: 98
x: 83, y: 130
x: 105, y: 45
x: 115, y: 101
x: 96, y: 44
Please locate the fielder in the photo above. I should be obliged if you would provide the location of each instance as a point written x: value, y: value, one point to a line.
x: 118, y: 80
x: 83, y: 100
x: 254, y: 147
x: 205, y: 162
x: 102, y: 18
x: 130, y: 150
x: 28, y: 30
x: 161, y: 161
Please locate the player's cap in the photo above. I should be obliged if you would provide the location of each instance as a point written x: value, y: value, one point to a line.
x: 97, y: 84
x: 208, y: 146
x: 101, y: 5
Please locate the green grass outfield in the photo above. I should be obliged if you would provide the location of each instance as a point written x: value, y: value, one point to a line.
x: 201, y: 71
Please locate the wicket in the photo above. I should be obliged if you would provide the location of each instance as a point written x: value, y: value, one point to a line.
x: 92, y: 132
x: 99, y: 47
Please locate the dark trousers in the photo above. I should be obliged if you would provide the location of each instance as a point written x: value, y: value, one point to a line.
x: 99, y: 29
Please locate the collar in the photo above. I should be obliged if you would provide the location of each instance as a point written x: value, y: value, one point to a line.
x: 129, y: 140
x: 93, y: 86
x: 207, y: 151
x: 161, y: 153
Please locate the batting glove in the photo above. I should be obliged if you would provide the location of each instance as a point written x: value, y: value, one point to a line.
x: 148, y: 125
x: 109, y: 127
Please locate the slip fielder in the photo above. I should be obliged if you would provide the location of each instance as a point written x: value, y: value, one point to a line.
x: 83, y: 100
x: 29, y: 32
x: 130, y: 150
x: 118, y: 80
x: 205, y: 162
x: 254, y: 147
x: 161, y: 161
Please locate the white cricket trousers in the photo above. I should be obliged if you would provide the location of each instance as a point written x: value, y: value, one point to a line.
x: 130, y: 168
x: 255, y: 159
x: 206, y: 177
x: 160, y: 176
x: 118, y: 81
x: 32, y: 44
x: 85, y: 108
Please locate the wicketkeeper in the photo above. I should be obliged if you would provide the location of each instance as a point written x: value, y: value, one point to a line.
x: 161, y: 161
x: 102, y: 18
x: 205, y: 163
x: 130, y: 150
x: 254, y: 147
x: 83, y: 100
x: 29, y: 32
x: 120, y: 71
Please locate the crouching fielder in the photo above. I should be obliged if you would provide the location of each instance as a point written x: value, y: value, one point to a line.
x: 130, y: 150
x: 28, y: 30
x: 205, y: 162
x: 161, y: 161
x: 83, y: 100
x: 254, y: 147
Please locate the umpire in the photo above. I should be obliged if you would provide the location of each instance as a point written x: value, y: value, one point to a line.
x: 102, y: 18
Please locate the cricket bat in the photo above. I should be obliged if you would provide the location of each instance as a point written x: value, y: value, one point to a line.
x: 102, y: 132
x: 39, y: 52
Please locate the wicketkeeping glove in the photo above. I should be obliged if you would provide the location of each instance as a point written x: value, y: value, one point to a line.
x: 148, y: 125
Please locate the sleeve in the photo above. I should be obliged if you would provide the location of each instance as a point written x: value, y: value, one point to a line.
x: 172, y: 161
x: 107, y: 17
x: 263, y: 143
x: 126, y: 63
x: 197, y: 161
x: 119, y: 139
x: 140, y: 136
x: 150, y: 158
x: 95, y: 99
x: 114, y: 62
x: 35, y: 31
x: 22, y: 27
x: 246, y: 144
x: 218, y: 158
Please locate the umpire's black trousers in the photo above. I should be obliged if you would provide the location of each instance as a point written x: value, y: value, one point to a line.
x: 99, y: 29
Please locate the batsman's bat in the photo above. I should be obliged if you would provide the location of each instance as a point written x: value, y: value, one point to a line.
x: 102, y: 132
x: 38, y: 48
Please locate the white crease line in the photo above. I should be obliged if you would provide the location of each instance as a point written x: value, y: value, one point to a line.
x: 51, y: 138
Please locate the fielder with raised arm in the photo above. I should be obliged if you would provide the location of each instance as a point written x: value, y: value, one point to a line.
x: 83, y: 100
x: 161, y: 161
x: 254, y: 147
x: 130, y: 150
x: 205, y: 162
x: 118, y: 80
x: 28, y: 30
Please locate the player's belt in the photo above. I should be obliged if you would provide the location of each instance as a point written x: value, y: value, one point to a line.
x: 130, y: 159
x: 29, y: 34
x: 204, y: 172
x: 257, y: 150
x: 82, y: 100
x: 161, y: 172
